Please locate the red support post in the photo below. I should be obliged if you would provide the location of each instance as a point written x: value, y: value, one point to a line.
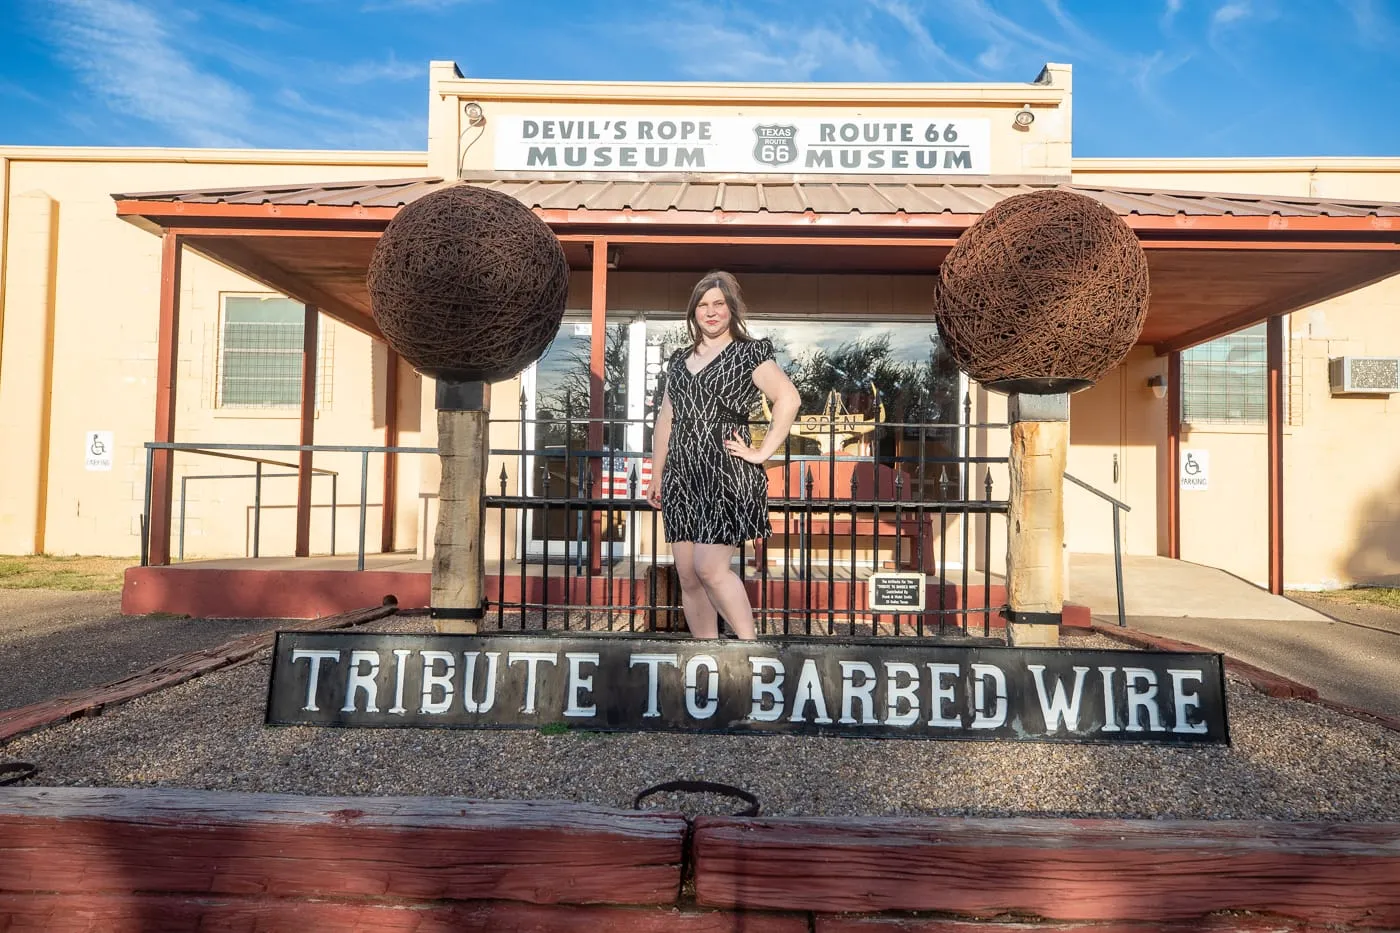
x: 1174, y: 455
x: 391, y: 439
x: 309, y: 336
x: 1275, y: 431
x: 167, y: 373
x: 597, y: 345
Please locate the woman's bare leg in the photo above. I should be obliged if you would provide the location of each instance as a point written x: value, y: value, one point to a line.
x: 700, y: 615
x: 725, y: 589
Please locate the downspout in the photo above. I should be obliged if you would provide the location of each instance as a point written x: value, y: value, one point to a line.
x: 46, y: 414
x: 26, y: 391
x: 4, y: 250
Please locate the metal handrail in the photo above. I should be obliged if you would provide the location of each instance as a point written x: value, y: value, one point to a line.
x: 1118, y: 506
x: 364, y: 450
x: 217, y: 450
x: 257, y: 477
x: 1099, y: 492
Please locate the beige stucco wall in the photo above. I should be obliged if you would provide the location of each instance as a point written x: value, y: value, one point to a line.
x: 79, y: 295
x: 1341, y: 454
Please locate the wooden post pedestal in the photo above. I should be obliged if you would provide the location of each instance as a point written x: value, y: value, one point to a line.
x: 1036, y: 519
x: 458, y: 594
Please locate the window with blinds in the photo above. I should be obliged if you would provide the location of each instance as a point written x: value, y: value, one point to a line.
x: 1226, y: 380
x: 260, y: 345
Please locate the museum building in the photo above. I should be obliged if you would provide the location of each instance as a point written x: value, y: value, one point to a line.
x: 213, y: 302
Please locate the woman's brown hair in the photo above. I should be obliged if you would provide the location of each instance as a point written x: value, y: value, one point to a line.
x: 733, y: 297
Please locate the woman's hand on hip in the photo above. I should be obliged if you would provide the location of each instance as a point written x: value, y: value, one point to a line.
x: 737, y: 447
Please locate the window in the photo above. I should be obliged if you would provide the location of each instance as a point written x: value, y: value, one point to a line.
x: 899, y: 369
x: 1226, y: 380
x: 260, y: 345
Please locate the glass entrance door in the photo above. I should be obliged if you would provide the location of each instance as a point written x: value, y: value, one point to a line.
x: 898, y: 369
x: 558, y: 456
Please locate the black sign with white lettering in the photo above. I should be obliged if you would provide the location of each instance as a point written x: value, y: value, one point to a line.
x: 891, y: 688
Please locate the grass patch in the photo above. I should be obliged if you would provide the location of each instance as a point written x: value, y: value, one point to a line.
x: 72, y: 574
x: 1386, y: 596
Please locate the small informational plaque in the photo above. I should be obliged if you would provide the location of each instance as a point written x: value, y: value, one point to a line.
x: 897, y: 592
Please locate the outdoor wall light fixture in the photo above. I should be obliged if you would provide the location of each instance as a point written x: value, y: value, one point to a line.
x: 475, y: 115
x: 1158, y: 385
x: 1024, y: 118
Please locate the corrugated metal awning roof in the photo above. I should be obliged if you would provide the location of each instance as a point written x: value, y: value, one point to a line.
x: 752, y: 194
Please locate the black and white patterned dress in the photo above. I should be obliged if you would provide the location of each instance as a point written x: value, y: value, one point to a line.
x: 709, y: 496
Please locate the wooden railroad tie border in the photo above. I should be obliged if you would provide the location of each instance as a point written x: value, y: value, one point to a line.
x: 167, y: 673
x: 140, y: 913
x: 81, y: 842
x: 163, y: 853
x: 1057, y: 869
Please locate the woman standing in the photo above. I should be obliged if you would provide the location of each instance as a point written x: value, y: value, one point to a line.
x: 707, y: 479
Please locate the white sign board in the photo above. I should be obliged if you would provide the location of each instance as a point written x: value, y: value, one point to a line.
x: 926, y: 144
x: 1195, y: 469
x: 97, y: 450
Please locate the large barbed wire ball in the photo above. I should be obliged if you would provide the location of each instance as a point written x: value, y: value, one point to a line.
x: 1047, y: 292
x: 468, y: 284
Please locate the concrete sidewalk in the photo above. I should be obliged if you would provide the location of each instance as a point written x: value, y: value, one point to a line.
x: 1346, y: 663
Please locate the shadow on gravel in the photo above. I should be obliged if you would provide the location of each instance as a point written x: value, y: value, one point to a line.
x: 52, y: 644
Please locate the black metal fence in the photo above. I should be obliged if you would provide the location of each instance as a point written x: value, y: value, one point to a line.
x: 581, y: 548
x: 574, y: 543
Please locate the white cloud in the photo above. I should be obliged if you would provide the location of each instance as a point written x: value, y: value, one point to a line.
x: 431, y: 6
x: 708, y: 44
x: 903, y: 14
x: 1079, y: 37
x: 1148, y: 71
x: 1169, y: 14
x: 993, y: 58
x: 1373, y: 27
x: 371, y: 72
x: 126, y: 56
x: 977, y: 17
x: 1234, y: 36
x: 245, y: 15
x: 350, y: 129
x: 10, y: 89
x: 1228, y: 13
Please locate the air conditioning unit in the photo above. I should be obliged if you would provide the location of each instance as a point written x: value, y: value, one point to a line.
x: 1364, y: 375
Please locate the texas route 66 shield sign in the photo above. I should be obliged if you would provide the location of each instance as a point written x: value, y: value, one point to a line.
x: 775, y: 145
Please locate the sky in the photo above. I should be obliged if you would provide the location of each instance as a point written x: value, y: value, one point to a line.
x: 1152, y: 78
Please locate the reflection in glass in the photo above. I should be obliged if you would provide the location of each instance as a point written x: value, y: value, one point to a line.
x: 899, y: 376
x: 562, y: 380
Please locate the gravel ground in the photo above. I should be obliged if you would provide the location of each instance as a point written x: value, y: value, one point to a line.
x: 1290, y: 761
x: 53, y: 643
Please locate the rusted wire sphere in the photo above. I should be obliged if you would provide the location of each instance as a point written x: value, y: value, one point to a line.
x: 1046, y: 293
x: 468, y: 284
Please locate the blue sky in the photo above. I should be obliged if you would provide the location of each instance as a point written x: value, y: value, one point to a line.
x: 1152, y: 77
